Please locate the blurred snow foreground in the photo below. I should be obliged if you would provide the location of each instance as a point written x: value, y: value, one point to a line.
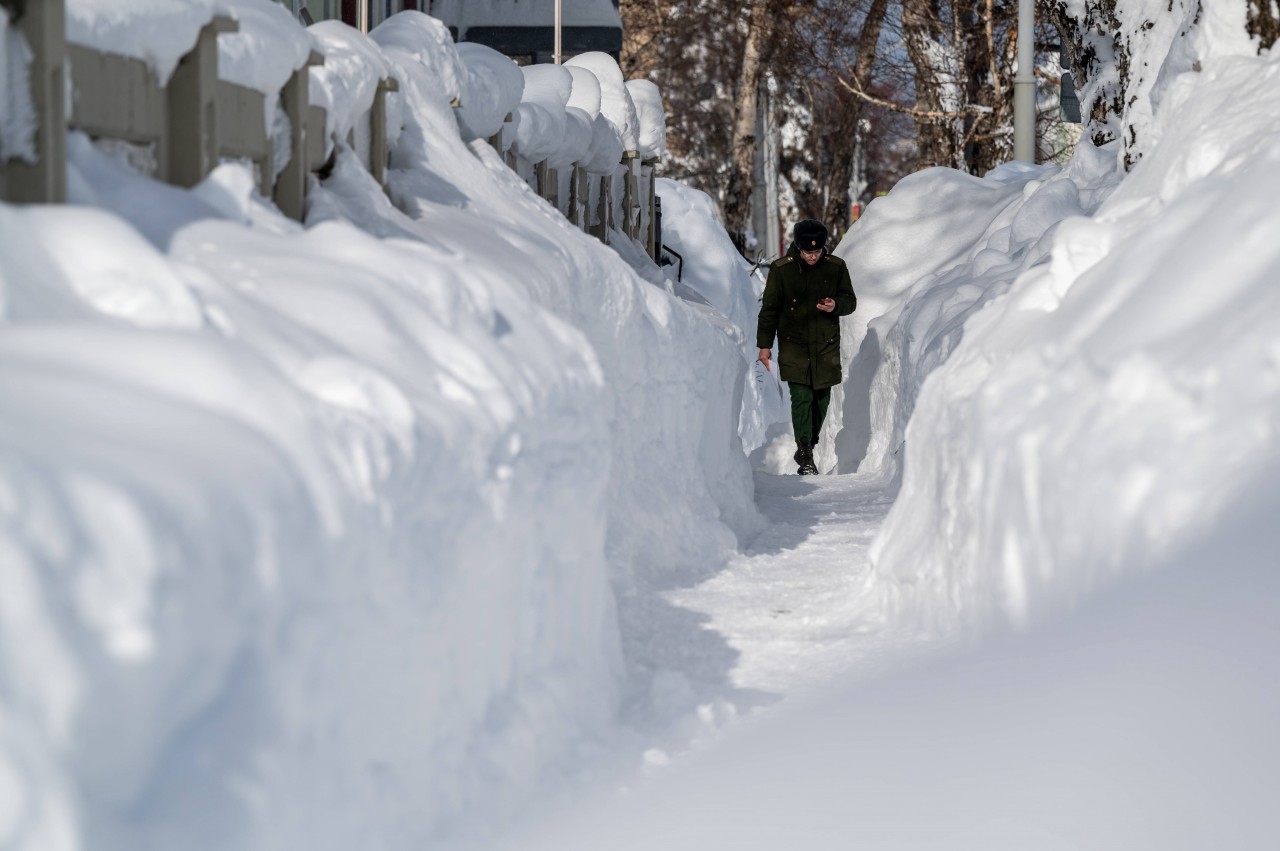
x: 319, y: 537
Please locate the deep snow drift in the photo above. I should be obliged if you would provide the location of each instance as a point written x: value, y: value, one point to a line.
x: 314, y: 537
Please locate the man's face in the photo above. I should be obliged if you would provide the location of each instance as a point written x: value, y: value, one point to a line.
x: 811, y: 257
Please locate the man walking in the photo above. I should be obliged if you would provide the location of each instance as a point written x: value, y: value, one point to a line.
x: 805, y: 295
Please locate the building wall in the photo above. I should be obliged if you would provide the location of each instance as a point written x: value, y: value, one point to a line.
x: 522, y: 29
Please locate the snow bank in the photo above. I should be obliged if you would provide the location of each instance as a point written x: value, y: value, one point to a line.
x: 710, y: 269
x: 1145, y: 722
x: 320, y: 537
x: 913, y: 301
x: 1114, y: 404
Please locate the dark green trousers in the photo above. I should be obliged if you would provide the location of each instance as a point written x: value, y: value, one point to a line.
x: 808, y: 410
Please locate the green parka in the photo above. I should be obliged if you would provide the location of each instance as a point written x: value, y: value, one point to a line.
x: 808, y: 338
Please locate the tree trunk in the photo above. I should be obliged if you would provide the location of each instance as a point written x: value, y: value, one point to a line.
x: 737, y: 204
x: 837, y: 214
x: 937, y: 140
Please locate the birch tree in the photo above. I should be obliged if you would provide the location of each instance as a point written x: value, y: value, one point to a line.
x: 737, y: 202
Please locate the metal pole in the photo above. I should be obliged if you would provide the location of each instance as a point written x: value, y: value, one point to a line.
x: 559, y: 27
x: 1024, y: 85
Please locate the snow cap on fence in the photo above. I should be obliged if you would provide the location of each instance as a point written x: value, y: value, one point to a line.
x: 267, y: 49
x: 348, y: 81
x: 579, y: 132
x: 653, y: 118
x: 615, y: 100
x: 428, y: 41
x: 542, y: 112
x: 494, y: 87
x: 606, y: 148
x: 586, y: 91
x: 157, y: 32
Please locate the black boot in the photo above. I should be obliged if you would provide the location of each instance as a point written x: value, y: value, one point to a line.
x: 804, y: 460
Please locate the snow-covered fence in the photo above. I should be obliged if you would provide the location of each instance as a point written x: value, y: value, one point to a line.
x: 579, y: 139
x: 259, y: 87
x: 192, y: 121
x: 180, y: 121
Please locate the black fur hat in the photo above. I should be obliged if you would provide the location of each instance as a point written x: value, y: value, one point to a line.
x: 810, y: 235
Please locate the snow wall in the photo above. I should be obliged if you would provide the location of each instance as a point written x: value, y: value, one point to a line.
x: 1073, y: 371
x: 315, y: 537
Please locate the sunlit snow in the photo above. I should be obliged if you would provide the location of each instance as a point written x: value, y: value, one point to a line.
x: 434, y: 523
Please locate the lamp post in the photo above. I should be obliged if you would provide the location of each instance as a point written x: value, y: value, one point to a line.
x: 559, y: 27
x: 1024, y: 85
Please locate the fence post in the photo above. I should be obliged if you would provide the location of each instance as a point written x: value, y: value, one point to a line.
x: 630, y: 189
x: 575, y: 196
x: 540, y: 178
x: 191, y: 139
x: 651, y: 238
x: 553, y: 187
x: 290, y: 192
x: 496, y: 139
x: 43, y: 25
x: 604, y: 209
x: 511, y: 159
x: 379, y: 152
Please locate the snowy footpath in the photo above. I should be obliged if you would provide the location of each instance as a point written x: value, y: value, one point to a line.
x: 790, y: 604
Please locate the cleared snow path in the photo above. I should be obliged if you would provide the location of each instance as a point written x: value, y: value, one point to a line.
x: 791, y: 603
x: 790, y: 613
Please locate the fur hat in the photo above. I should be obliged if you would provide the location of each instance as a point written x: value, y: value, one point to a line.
x: 810, y: 235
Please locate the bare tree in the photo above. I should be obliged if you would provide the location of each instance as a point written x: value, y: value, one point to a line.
x: 848, y: 127
x: 737, y: 202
